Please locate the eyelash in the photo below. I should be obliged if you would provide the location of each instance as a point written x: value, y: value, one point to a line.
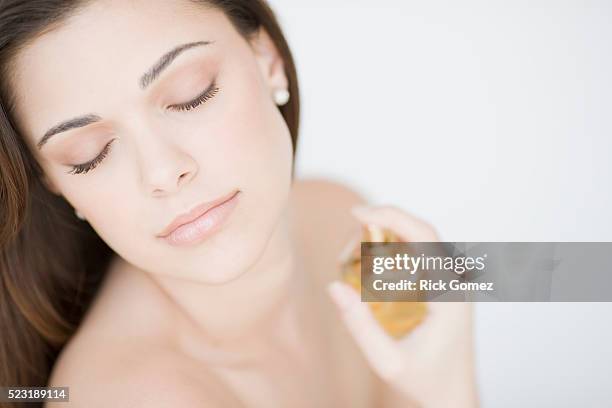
x: 210, y: 92
x: 203, y: 97
x: 85, y: 167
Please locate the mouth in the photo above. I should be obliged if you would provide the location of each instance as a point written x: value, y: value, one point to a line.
x: 200, y: 222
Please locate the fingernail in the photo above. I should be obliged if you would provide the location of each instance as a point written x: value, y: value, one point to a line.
x: 339, y: 294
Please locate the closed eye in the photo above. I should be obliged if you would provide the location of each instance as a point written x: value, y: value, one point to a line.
x: 92, y: 164
x: 200, y: 99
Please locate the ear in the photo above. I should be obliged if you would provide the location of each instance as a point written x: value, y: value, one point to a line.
x: 269, y: 60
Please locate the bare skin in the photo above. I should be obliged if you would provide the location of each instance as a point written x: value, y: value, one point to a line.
x: 243, y: 318
x: 303, y: 359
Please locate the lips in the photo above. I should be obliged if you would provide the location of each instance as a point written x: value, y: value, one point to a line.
x: 194, y: 213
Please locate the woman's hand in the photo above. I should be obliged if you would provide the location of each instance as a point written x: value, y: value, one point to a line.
x: 433, y: 365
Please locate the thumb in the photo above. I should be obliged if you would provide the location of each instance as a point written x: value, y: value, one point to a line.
x: 381, y: 351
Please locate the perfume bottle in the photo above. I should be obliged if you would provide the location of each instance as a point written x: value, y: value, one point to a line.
x: 397, y: 318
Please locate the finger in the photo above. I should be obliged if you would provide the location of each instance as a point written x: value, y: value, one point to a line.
x: 408, y: 227
x: 381, y: 351
x: 347, y: 252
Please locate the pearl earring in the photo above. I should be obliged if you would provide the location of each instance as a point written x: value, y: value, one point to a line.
x: 281, y: 96
x: 79, y: 215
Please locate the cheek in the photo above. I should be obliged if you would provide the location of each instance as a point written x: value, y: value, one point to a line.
x: 258, y: 137
x: 262, y: 153
x: 242, y: 131
x: 117, y: 215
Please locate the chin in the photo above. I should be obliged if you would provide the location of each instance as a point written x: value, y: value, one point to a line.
x: 231, y: 254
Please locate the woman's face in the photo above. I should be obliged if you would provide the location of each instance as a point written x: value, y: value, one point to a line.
x: 103, y: 65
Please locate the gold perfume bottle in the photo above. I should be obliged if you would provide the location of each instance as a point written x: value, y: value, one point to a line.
x: 397, y: 318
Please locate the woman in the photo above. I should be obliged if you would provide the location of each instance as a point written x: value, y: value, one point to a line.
x: 122, y: 121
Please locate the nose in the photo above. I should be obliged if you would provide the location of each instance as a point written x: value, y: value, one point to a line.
x: 164, y: 161
x: 166, y: 168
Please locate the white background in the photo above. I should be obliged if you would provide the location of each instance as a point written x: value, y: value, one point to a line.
x: 492, y: 121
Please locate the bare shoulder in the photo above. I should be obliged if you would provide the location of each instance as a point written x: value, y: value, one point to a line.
x: 120, y: 356
x: 322, y: 207
x: 312, y: 190
x: 144, y: 378
x: 326, y: 226
x: 322, y: 218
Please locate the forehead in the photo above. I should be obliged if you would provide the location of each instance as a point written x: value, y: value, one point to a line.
x: 101, y: 52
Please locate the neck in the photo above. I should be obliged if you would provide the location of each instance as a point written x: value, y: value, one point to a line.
x: 242, y: 318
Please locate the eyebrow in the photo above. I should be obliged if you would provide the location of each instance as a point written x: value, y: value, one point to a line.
x: 145, y: 80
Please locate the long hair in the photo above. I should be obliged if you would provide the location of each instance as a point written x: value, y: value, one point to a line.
x: 51, y: 263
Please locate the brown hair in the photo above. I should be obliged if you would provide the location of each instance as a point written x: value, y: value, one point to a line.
x: 51, y: 264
